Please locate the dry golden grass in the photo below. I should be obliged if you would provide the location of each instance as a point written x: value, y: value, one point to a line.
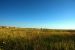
x: 36, y: 39
x: 19, y: 32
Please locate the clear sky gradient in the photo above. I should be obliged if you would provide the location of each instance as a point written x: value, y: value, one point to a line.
x: 58, y: 14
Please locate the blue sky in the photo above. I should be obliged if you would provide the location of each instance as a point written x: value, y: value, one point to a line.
x: 58, y: 14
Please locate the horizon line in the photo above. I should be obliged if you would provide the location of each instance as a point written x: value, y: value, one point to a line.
x: 42, y: 28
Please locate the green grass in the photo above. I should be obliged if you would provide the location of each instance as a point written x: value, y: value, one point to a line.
x: 36, y: 39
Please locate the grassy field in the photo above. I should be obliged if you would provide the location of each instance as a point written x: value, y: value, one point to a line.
x: 12, y: 38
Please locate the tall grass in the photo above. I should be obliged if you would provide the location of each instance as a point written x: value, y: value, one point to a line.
x: 36, y: 39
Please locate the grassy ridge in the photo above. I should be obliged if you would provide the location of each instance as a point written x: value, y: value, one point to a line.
x: 36, y: 39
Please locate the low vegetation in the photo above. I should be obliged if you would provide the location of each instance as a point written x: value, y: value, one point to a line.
x: 12, y: 38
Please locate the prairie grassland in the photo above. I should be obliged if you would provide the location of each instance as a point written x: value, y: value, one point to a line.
x: 36, y: 39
